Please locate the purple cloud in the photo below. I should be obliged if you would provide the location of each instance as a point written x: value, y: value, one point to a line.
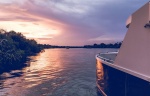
x: 80, y: 22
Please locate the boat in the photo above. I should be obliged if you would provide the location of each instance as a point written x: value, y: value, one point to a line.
x: 67, y: 47
x: 127, y: 72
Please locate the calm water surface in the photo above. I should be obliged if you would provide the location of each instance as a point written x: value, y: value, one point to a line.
x: 55, y: 72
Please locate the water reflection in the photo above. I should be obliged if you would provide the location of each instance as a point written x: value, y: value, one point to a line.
x: 55, y: 72
x: 42, y: 68
x: 102, y: 77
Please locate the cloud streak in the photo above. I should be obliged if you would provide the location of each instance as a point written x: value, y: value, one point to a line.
x: 69, y: 22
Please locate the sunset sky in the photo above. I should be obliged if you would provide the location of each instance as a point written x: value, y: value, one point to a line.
x: 68, y: 22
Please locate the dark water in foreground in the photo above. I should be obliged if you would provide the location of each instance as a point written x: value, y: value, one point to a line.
x: 55, y: 72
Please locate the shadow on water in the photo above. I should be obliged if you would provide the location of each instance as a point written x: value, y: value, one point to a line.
x: 55, y: 72
x: 20, y: 65
x: 8, y: 74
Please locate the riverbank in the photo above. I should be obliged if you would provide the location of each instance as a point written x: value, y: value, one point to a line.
x: 14, y: 50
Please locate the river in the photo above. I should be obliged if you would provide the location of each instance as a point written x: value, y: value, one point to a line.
x: 55, y: 72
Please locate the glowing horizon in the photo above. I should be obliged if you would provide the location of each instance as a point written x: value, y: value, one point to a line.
x: 65, y: 22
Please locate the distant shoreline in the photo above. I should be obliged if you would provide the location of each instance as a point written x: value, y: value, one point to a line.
x: 102, y: 45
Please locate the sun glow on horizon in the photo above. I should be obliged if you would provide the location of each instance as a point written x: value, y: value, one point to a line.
x: 66, y: 22
x: 32, y: 30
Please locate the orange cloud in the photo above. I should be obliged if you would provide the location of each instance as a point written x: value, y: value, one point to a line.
x: 16, y: 17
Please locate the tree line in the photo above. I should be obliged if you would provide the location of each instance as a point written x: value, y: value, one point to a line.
x: 14, y: 48
x: 103, y: 45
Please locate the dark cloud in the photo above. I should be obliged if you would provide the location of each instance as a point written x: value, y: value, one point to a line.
x: 81, y: 21
x: 99, y: 19
x: 112, y: 16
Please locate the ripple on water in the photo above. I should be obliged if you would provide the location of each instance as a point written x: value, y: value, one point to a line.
x: 55, y: 72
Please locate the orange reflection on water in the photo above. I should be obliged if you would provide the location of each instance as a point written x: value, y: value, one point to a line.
x: 100, y: 71
x: 43, y: 67
x: 100, y: 75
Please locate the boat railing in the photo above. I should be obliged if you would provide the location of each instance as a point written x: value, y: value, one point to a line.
x: 105, y: 59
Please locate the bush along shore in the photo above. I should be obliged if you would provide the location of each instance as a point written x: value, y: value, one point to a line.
x: 14, y: 49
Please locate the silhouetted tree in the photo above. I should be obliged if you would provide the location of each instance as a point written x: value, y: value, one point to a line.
x: 103, y: 45
x: 14, y: 48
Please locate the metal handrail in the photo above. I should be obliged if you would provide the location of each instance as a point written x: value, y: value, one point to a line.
x: 105, y: 59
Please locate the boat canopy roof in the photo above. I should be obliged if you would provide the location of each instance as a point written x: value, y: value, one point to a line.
x: 129, y: 20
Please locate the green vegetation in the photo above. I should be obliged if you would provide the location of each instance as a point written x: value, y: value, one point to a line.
x: 14, y: 48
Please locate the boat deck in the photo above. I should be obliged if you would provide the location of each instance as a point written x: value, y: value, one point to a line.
x: 108, y: 57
